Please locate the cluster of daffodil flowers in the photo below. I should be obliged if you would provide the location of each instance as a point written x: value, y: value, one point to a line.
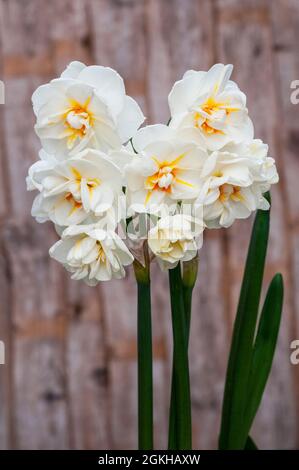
x: 99, y: 171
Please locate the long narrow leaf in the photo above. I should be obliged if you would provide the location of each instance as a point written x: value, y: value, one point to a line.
x: 264, y: 346
x: 233, y: 433
x: 250, y: 444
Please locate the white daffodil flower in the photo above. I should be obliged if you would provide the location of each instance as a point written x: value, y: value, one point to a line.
x: 88, y: 184
x: 235, y: 180
x: 175, y: 238
x: 212, y: 105
x: 165, y: 170
x: 85, y: 107
x: 92, y: 254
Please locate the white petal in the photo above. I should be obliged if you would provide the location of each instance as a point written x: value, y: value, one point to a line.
x: 80, y: 249
x: 184, y: 92
x: 129, y: 119
x: 66, y: 213
x: 108, y: 84
x: 80, y: 93
x: 121, y: 158
x: 218, y: 76
x: 41, y: 95
x: 150, y: 134
x: 73, y: 69
x: 60, y: 250
x: 105, y: 137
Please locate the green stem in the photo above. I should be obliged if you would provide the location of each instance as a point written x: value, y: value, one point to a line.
x: 180, y: 426
x: 190, y: 269
x: 172, y: 437
x: 145, y: 359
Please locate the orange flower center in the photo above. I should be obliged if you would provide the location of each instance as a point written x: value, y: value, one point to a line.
x: 228, y: 191
x: 164, y: 177
x: 78, y: 120
x: 215, y: 110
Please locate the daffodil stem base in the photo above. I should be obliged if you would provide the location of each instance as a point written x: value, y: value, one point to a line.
x: 145, y: 359
x: 190, y: 270
x: 180, y: 426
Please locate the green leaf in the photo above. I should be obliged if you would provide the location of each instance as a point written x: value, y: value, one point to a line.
x: 233, y: 432
x: 264, y: 346
x: 250, y: 444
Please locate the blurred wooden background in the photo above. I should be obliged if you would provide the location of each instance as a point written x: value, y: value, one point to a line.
x: 70, y: 374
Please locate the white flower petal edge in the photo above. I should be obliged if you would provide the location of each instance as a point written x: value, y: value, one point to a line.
x: 234, y: 182
x: 174, y: 239
x: 211, y: 104
x: 88, y: 184
x: 166, y: 170
x: 85, y: 107
x: 92, y: 254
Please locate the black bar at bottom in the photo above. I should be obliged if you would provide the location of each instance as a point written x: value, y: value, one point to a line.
x: 130, y: 459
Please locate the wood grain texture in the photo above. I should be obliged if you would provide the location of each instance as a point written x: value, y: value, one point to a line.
x: 245, y: 39
x: 70, y: 375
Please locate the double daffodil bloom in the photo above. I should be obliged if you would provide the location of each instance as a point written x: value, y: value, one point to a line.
x: 234, y: 181
x: 85, y: 107
x: 165, y: 170
x: 174, y: 239
x: 92, y: 254
x: 212, y: 105
x: 88, y: 184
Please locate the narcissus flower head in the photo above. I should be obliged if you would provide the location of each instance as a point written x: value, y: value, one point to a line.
x: 88, y: 184
x: 165, y: 170
x: 175, y: 238
x: 235, y: 180
x: 212, y: 105
x: 92, y: 254
x: 85, y: 107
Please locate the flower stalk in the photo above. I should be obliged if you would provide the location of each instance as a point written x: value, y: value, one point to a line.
x: 180, y: 422
x: 145, y: 355
x: 188, y: 279
x: 190, y: 270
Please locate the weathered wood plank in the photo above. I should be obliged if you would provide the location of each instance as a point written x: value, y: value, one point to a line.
x: 244, y: 39
x: 121, y: 335
x: 285, y: 22
x: 88, y: 369
x: 38, y: 375
x: 119, y: 41
x: 6, y: 433
x: 4, y: 199
x: 6, y: 398
x: 40, y: 409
